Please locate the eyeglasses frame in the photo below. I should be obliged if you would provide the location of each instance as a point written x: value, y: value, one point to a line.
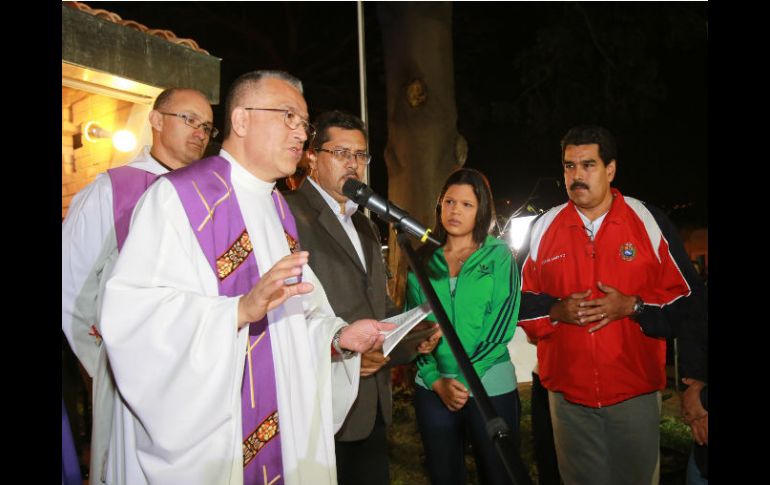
x: 213, y: 130
x: 352, y: 154
x: 309, y: 128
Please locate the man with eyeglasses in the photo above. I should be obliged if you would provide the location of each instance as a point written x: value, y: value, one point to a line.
x: 219, y: 334
x: 346, y: 256
x: 94, y: 230
x: 607, y: 279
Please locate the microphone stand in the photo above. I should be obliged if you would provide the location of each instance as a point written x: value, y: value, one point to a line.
x: 497, y: 429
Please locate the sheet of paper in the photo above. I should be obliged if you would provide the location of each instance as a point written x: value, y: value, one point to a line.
x: 406, y: 350
x: 405, y: 321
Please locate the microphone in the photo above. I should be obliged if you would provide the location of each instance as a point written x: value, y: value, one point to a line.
x: 361, y: 194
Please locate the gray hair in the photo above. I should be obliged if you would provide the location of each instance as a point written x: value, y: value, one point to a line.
x: 165, y: 97
x: 248, y: 82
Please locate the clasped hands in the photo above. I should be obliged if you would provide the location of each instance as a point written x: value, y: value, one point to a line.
x: 576, y: 309
x: 452, y: 393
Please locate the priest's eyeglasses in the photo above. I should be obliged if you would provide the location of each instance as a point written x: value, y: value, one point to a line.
x: 195, y: 123
x: 344, y: 155
x: 292, y: 120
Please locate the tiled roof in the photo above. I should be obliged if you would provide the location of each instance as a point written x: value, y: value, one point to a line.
x: 115, y: 18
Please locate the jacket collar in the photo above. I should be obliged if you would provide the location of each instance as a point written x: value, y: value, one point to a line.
x: 328, y: 220
x: 350, y: 207
x: 616, y: 214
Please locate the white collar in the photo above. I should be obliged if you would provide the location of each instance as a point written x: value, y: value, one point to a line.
x: 588, y: 222
x: 145, y: 161
x: 246, y: 178
x: 592, y: 228
x: 348, y: 209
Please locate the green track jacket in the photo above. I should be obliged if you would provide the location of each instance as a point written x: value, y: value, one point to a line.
x: 484, y: 310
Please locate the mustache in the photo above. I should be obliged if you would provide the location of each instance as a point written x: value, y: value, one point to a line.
x: 577, y: 184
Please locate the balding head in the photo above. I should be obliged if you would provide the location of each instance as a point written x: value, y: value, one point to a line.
x: 247, y: 84
x: 267, y: 123
x: 182, y: 122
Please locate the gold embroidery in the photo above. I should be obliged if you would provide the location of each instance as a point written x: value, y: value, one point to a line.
x: 251, y: 346
x: 210, y: 210
x: 293, y: 243
x: 264, y: 476
x: 251, y: 373
x: 267, y: 430
x: 235, y: 256
x: 95, y: 333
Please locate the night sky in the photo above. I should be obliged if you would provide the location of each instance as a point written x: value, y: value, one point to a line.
x: 524, y: 74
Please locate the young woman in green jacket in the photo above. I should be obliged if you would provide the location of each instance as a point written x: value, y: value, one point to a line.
x: 476, y: 280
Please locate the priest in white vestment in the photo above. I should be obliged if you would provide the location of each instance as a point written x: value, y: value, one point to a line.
x: 90, y: 232
x: 177, y: 346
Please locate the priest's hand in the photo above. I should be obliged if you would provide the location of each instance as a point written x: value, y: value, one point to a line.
x: 372, y: 361
x: 275, y: 286
x: 364, y: 335
x: 452, y: 392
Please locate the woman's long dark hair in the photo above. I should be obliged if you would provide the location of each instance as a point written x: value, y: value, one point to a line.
x: 484, y: 214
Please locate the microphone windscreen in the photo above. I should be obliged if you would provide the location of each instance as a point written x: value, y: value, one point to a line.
x: 355, y: 191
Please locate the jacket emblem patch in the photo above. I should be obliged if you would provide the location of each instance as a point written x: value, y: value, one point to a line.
x: 627, y: 251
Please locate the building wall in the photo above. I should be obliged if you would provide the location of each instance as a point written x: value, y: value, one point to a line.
x: 80, y: 165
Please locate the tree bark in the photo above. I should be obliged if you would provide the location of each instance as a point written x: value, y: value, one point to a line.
x: 423, y: 144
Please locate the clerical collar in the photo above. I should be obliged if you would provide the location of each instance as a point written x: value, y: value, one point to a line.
x: 347, y: 209
x: 250, y: 181
x: 160, y: 163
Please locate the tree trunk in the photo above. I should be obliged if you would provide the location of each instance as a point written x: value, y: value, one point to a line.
x: 423, y: 143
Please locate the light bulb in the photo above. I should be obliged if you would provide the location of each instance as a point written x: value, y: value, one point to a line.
x: 124, y: 141
x: 517, y: 231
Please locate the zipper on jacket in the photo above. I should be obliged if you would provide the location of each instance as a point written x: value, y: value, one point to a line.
x: 596, y: 370
x: 591, y: 252
x: 452, y: 293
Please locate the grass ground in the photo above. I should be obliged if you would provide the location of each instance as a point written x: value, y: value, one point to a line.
x: 406, y: 452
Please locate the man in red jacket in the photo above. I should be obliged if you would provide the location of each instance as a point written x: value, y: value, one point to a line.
x: 605, y: 281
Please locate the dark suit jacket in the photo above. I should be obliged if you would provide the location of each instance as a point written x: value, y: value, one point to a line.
x: 352, y: 292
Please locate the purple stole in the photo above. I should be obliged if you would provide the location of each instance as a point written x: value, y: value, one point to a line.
x: 128, y: 184
x: 70, y: 465
x: 206, y: 192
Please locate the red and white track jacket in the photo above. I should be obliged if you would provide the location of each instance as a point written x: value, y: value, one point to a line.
x: 631, y: 253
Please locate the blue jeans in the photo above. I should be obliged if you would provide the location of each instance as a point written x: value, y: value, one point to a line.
x: 693, y: 473
x: 443, y: 436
